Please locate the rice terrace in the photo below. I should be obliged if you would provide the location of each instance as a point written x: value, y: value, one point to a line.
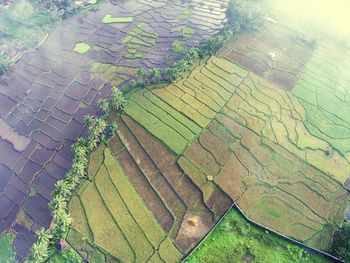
x: 174, y: 131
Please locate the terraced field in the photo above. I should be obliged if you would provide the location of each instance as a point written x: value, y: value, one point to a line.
x: 178, y: 113
x: 45, y: 96
x: 274, y: 54
x: 326, y: 99
x: 158, y: 210
x: 261, y: 152
x: 108, y: 205
x: 224, y: 134
x: 263, y: 123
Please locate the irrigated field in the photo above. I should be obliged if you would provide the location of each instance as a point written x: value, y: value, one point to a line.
x: 45, y: 96
x: 275, y: 54
x: 187, y: 151
x: 177, y: 114
x: 109, y: 206
x: 324, y: 92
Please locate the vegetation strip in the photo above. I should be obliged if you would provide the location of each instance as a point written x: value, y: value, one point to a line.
x: 108, y: 19
x: 47, y: 238
x: 292, y: 253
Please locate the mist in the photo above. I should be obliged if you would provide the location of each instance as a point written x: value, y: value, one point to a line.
x: 322, y: 19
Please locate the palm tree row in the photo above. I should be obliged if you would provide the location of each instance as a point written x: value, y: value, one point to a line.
x: 46, y: 238
x: 190, y: 56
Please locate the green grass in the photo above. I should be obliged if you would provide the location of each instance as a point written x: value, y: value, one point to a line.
x: 108, y: 19
x: 81, y: 48
x: 7, y: 254
x: 170, y: 137
x: 235, y: 239
x: 178, y: 46
x: 133, y: 201
x: 69, y: 255
x: 163, y: 116
x: 32, y: 192
x: 188, y: 32
x: 113, y: 201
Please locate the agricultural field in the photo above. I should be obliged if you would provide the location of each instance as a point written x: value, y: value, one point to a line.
x: 262, y: 123
x: 274, y: 54
x: 108, y: 205
x: 229, y: 132
x: 326, y: 98
x: 46, y: 95
x: 153, y: 211
x: 258, y: 143
x: 236, y: 240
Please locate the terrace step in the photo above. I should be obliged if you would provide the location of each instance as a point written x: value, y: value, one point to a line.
x: 154, y: 176
x: 165, y: 161
x: 145, y: 189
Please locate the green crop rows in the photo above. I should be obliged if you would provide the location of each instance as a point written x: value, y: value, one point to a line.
x: 324, y: 92
x: 110, y: 206
x: 176, y: 114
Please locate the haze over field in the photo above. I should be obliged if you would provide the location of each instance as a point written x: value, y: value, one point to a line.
x: 320, y: 17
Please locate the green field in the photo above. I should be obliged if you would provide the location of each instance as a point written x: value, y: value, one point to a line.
x: 81, y: 48
x: 237, y: 240
x: 109, y: 206
x: 109, y: 19
x: 323, y: 92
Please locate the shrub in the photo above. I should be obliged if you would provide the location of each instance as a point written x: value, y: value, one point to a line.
x: 178, y: 46
x: 341, y: 242
x: 243, y: 17
x: 4, y: 64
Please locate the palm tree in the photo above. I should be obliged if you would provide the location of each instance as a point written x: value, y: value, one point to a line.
x: 142, y: 76
x: 156, y: 73
x: 44, y: 235
x: 73, y: 178
x: 63, y: 222
x: 79, y: 169
x: 63, y: 188
x: 192, y: 54
x: 88, y: 120
x: 58, y: 202
x: 103, y: 105
x: 39, y: 251
x: 117, y: 100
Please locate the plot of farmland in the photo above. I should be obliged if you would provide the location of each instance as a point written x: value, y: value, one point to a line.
x: 108, y: 206
x: 177, y: 114
x: 263, y: 123
x: 45, y: 96
x: 274, y: 53
x: 259, y: 152
x: 223, y: 129
x: 324, y: 92
x: 153, y: 210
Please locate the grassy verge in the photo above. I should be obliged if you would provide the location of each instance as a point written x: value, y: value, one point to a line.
x: 7, y: 253
x: 236, y: 240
